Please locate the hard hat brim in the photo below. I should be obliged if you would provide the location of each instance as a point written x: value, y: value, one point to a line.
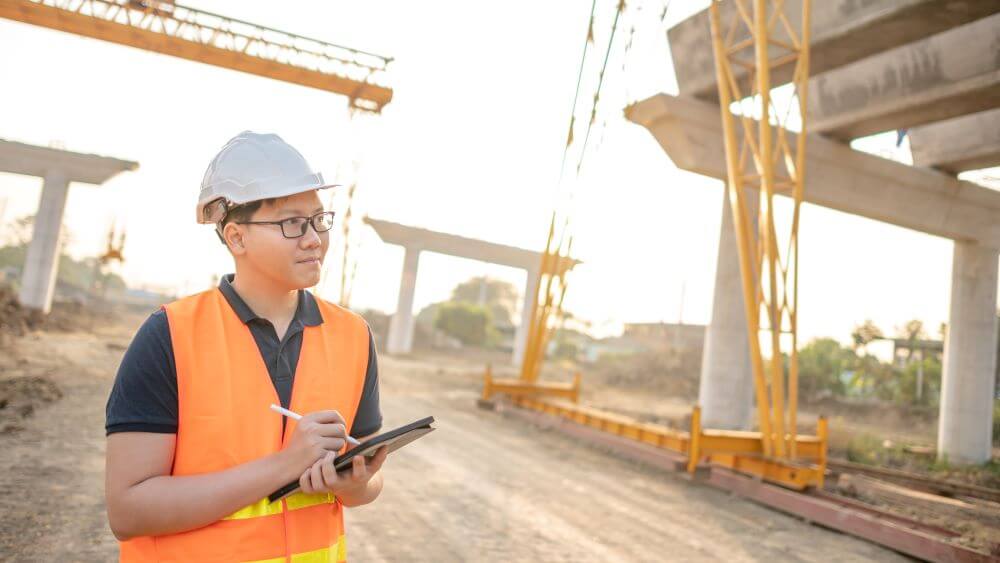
x: 210, y: 212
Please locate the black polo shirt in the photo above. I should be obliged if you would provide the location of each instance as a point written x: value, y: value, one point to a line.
x: 144, y: 396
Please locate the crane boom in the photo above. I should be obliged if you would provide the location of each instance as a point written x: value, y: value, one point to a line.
x: 195, y: 35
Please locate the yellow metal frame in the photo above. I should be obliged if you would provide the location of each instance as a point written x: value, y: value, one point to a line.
x: 556, y: 264
x: 521, y: 388
x: 738, y: 450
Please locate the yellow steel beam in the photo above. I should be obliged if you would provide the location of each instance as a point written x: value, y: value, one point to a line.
x: 789, y: 474
x: 708, y: 442
x: 738, y: 450
x: 694, y: 446
x: 716, y: 441
x: 520, y: 387
x: 208, y: 38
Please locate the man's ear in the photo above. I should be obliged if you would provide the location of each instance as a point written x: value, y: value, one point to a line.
x: 232, y: 234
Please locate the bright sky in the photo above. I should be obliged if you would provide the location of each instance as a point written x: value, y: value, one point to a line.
x: 470, y: 145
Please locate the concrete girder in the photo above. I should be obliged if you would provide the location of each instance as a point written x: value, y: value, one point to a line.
x: 964, y: 143
x: 843, y: 31
x: 839, y: 177
x: 953, y: 73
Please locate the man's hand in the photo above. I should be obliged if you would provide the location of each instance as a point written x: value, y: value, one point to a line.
x: 352, y: 483
x: 316, y: 435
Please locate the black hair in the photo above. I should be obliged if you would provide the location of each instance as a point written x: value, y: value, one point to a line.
x: 241, y: 213
x: 244, y: 212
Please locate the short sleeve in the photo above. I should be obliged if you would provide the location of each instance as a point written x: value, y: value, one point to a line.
x: 368, y: 419
x: 144, y: 395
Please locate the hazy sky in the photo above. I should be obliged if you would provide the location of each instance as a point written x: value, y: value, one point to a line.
x: 470, y: 145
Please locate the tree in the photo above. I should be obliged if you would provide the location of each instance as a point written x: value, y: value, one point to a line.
x: 864, y: 334
x: 19, y: 231
x: 821, y: 364
x: 81, y: 274
x: 498, y: 296
x: 912, y: 332
x: 471, y: 324
x: 920, y: 382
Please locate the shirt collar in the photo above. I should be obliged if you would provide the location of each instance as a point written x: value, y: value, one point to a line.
x: 306, y: 311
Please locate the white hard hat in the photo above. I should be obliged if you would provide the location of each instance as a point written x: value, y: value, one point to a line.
x: 253, y: 166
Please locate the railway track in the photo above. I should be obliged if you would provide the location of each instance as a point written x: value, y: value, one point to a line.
x: 916, y: 481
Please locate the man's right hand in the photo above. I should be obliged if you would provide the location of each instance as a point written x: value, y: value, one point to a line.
x: 316, y: 434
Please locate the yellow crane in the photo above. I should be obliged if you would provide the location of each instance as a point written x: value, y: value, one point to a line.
x: 196, y: 35
x: 764, y: 159
x: 556, y: 262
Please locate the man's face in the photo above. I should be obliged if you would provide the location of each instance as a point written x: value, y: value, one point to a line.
x: 294, y: 263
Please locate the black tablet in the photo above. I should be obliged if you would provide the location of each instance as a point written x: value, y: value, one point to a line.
x: 393, y: 440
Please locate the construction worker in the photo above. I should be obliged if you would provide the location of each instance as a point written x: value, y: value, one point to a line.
x: 193, y: 449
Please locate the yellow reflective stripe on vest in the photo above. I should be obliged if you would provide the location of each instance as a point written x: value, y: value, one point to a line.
x: 294, y: 502
x: 332, y: 554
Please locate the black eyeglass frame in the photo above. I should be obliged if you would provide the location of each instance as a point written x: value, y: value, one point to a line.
x: 305, y: 224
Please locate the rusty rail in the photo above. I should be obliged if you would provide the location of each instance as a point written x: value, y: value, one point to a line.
x: 916, y: 481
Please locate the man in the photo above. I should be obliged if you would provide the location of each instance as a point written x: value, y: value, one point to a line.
x: 193, y: 449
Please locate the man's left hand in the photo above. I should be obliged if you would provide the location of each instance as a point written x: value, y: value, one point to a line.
x: 323, y: 478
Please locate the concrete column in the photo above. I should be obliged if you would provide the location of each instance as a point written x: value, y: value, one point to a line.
x: 38, y: 279
x: 521, y: 335
x: 400, y: 340
x: 965, y: 431
x: 725, y: 392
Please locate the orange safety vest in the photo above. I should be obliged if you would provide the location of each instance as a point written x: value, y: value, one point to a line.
x: 223, y: 395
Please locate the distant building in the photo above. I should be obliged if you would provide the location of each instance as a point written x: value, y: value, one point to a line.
x: 667, y: 336
x: 905, y: 351
x: 614, y: 346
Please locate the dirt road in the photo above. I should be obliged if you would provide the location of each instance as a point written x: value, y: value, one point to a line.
x: 482, y: 487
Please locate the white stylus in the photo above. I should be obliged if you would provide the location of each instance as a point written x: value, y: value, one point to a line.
x: 296, y: 416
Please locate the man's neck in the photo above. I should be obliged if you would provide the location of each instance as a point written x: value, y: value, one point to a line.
x: 276, y: 304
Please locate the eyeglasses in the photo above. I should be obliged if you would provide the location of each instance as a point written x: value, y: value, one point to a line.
x: 295, y: 227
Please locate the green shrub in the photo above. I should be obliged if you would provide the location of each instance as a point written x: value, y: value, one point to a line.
x: 471, y: 324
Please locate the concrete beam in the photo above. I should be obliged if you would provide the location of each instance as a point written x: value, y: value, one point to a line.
x: 454, y: 245
x: 968, y: 379
x: 33, y: 160
x: 953, y: 73
x: 58, y: 167
x: 965, y: 143
x: 843, y: 31
x: 400, y: 340
x: 838, y: 177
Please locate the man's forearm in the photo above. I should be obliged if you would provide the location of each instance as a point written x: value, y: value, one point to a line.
x: 171, y: 504
x: 366, y: 495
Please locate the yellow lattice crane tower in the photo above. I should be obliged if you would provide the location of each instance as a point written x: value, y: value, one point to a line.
x: 547, y: 309
x: 556, y: 262
x: 763, y: 159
